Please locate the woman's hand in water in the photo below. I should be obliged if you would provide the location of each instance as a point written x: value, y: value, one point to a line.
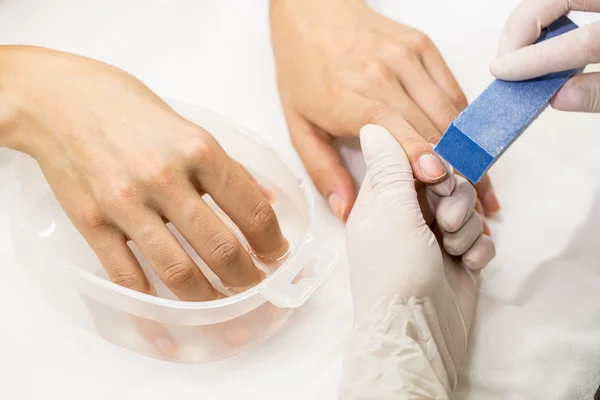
x: 341, y: 65
x: 121, y: 162
x: 414, y: 256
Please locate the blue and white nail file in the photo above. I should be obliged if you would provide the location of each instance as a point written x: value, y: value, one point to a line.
x: 489, y: 125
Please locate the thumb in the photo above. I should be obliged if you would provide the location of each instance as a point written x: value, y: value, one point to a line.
x: 324, y: 165
x: 390, y: 176
x: 580, y: 93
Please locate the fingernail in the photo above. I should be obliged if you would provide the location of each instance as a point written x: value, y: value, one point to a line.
x: 431, y: 166
x: 238, y: 336
x: 336, y: 204
x: 165, y: 346
x: 490, y: 202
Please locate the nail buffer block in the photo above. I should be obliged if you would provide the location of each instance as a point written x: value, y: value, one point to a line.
x: 489, y: 125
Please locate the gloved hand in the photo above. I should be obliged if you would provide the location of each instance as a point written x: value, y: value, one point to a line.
x: 341, y: 65
x: 518, y: 59
x: 413, y: 300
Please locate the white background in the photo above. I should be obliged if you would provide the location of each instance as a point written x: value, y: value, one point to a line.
x: 538, y: 324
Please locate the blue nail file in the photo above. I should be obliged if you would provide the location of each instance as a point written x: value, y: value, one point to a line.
x: 489, y: 125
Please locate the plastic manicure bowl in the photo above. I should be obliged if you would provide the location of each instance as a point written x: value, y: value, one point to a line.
x: 45, y: 241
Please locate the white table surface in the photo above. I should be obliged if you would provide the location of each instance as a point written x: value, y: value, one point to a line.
x: 538, y: 327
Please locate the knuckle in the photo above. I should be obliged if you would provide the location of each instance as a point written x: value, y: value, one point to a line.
x: 90, y: 217
x: 179, y: 274
x: 591, y: 98
x: 420, y: 40
x: 375, y: 73
x: 451, y: 246
x: 382, y: 179
x: 197, y: 150
x: 130, y: 281
x: 119, y: 193
x: 414, y: 144
x: 226, y: 250
x: 378, y: 115
x: 593, y: 42
x: 582, y: 5
x: 450, y: 222
x: 159, y: 175
x: 339, y: 88
x: 400, y: 51
x: 431, y: 135
x: 447, y: 116
x: 262, y: 218
x: 458, y: 97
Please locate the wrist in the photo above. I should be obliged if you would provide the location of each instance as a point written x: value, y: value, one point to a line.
x: 312, y: 3
x: 22, y: 98
x: 312, y: 8
x: 395, y: 347
x: 9, y: 109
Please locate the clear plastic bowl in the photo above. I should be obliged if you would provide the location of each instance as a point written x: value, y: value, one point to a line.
x: 163, y: 327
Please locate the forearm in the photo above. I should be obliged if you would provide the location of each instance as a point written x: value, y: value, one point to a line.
x: 397, y: 351
x: 31, y: 79
x: 332, y: 12
x: 274, y: 4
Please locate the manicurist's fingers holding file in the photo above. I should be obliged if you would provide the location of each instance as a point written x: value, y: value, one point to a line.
x: 519, y: 59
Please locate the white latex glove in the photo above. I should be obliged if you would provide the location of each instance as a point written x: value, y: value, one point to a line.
x: 413, y: 303
x: 519, y: 59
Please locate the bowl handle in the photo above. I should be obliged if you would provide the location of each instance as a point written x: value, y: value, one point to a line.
x: 290, y: 288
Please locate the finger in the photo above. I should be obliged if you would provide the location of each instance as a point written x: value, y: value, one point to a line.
x: 119, y: 262
x: 428, y: 202
x: 455, y: 210
x: 171, y: 263
x: 573, y: 49
x: 394, y: 96
x: 389, y: 176
x: 581, y: 94
x: 442, y: 76
x: 157, y: 335
x: 479, y: 209
x: 487, y: 196
x: 526, y: 22
x: 323, y: 164
x: 459, y: 242
x: 211, y: 239
x: 235, y: 193
x: 480, y: 254
x: 265, y: 191
x: 445, y: 187
x: 427, y: 166
x: 124, y: 269
x: 427, y: 94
